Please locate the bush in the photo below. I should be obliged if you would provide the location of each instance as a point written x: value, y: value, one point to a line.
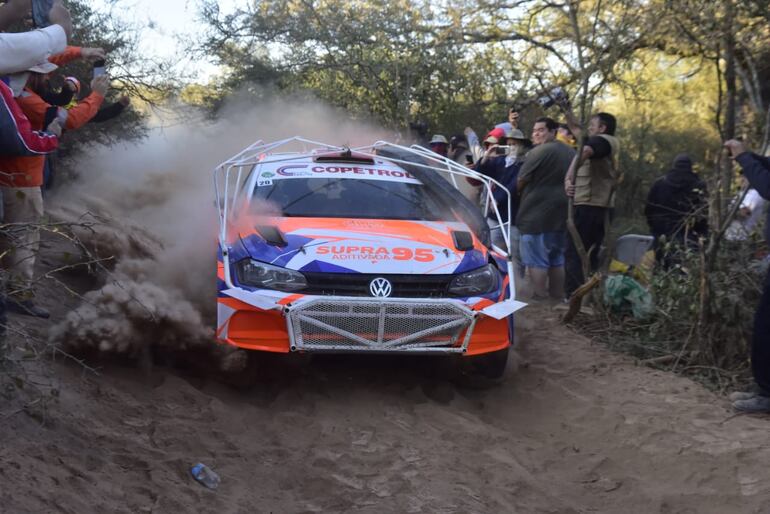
x: 702, y: 322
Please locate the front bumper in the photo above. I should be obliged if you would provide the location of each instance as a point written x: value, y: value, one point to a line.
x: 378, y: 325
x: 362, y: 325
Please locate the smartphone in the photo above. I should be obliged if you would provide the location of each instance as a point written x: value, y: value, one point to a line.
x: 501, y: 150
x: 40, y: 10
x: 99, y: 68
x: 469, y: 158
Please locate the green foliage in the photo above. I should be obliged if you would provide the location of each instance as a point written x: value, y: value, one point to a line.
x: 395, y: 61
x: 709, y: 340
x: 144, y: 79
x: 662, y: 104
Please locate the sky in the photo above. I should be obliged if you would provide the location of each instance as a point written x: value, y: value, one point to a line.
x: 168, y: 19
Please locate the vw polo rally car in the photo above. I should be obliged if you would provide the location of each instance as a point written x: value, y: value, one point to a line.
x: 328, y: 249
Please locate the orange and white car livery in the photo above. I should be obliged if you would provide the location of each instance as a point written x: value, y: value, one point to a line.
x: 329, y: 249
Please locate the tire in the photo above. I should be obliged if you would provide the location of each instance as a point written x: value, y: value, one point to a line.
x: 490, y: 366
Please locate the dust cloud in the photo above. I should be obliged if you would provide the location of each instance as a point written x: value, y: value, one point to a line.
x: 156, y: 217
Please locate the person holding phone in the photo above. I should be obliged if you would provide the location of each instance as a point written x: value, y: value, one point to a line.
x: 503, y: 165
x: 18, y: 52
x: 23, y: 178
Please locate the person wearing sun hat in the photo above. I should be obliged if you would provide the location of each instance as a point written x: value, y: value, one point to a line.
x: 439, y: 144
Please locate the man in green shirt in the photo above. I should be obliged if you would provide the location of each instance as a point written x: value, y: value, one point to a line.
x: 542, y: 216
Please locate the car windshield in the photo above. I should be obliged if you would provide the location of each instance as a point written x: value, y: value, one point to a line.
x: 354, y: 198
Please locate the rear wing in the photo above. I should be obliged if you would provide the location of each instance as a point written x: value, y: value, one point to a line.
x: 235, y: 178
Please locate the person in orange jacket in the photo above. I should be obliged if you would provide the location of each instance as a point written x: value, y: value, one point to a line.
x: 21, y: 178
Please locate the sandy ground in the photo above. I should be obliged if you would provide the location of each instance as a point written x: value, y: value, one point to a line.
x: 574, y: 428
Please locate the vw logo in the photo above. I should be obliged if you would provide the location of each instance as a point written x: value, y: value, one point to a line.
x: 380, y: 287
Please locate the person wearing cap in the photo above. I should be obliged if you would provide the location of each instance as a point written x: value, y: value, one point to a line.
x: 439, y: 144
x: 505, y: 169
x: 592, y: 187
x: 542, y: 216
x: 22, y: 177
x: 676, y: 209
x: 756, y: 169
x: 18, y: 52
x: 66, y: 97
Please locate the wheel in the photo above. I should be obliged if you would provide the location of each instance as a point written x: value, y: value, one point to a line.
x: 490, y: 365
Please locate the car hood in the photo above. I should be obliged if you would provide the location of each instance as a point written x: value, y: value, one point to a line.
x: 364, y: 246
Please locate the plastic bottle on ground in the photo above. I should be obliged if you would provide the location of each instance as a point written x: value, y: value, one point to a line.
x: 205, y: 475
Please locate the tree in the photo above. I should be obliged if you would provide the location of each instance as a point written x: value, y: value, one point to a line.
x: 381, y: 59
x: 145, y: 79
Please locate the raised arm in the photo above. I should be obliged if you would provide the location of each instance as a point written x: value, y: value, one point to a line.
x: 755, y: 168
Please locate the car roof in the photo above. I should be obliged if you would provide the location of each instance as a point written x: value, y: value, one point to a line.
x: 296, y: 165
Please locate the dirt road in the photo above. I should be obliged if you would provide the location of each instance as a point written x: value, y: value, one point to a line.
x: 575, y: 429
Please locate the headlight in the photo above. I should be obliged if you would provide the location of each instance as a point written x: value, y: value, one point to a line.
x: 479, y: 281
x: 259, y: 274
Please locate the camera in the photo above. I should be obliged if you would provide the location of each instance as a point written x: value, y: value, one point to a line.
x: 99, y: 68
x: 557, y: 94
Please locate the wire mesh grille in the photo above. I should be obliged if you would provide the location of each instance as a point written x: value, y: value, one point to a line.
x: 378, y: 325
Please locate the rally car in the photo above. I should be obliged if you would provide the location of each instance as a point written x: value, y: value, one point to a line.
x: 331, y: 249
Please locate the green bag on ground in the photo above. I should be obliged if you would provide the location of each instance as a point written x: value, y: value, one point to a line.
x: 622, y: 293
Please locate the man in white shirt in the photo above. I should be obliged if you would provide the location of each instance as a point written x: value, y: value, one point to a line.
x: 21, y: 51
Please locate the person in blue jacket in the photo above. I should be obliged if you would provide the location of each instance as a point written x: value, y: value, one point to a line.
x: 756, y: 169
x: 505, y: 169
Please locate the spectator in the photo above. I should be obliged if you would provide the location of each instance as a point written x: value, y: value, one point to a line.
x: 592, y: 186
x: 438, y: 144
x: 676, y: 209
x: 21, y: 186
x: 566, y: 136
x: 68, y: 98
x: 756, y: 169
x: 543, y: 210
x: 458, y: 150
x: 749, y: 215
x: 18, y: 52
x: 476, y: 148
x: 505, y: 169
x: 418, y: 131
x: 67, y: 95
